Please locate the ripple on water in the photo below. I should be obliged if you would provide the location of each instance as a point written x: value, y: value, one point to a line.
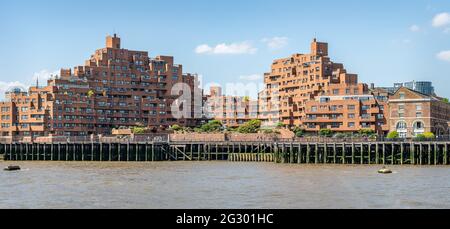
x: 220, y: 185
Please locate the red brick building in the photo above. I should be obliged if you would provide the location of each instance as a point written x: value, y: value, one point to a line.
x: 313, y: 92
x: 114, y: 88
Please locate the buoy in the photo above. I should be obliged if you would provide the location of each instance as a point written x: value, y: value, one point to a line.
x: 385, y: 171
x: 12, y: 168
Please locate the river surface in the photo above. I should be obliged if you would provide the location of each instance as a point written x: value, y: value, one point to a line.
x: 226, y: 185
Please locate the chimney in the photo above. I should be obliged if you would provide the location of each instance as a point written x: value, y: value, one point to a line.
x: 113, y: 42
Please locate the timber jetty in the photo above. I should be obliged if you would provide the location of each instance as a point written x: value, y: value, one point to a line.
x: 353, y: 153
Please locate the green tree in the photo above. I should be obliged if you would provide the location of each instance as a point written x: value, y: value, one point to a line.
x: 446, y: 100
x: 138, y: 130
x: 250, y: 127
x: 212, y: 126
x: 420, y: 137
x: 326, y: 133
x: 281, y: 125
x: 176, y: 127
x: 366, y: 132
x: 299, y: 132
x: 393, y: 135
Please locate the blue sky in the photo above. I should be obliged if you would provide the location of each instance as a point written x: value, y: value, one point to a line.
x: 231, y: 41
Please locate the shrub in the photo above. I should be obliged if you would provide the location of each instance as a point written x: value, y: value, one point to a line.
x: 393, y: 135
x: 176, y: 128
x: 281, y: 125
x: 429, y: 135
x: 326, y: 133
x: 212, y: 126
x: 420, y: 137
x: 339, y: 135
x: 138, y: 130
x: 250, y: 127
x: 366, y: 132
x: 299, y: 132
x: 268, y: 131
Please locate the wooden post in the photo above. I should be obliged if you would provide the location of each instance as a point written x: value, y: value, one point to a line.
x: 110, y: 152
x: 308, y: 151
x: 292, y: 154
x: 362, y: 153
x: 392, y: 154
x: 436, y: 150
x: 137, y: 151
x: 26, y: 151
x: 353, y: 153
x: 402, y: 151
x: 316, y: 148
x: 445, y: 154
x: 421, y: 154
x: 335, y: 153
x: 200, y: 152
x: 429, y: 153
x: 128, y: 152
x: 153, y: 151
x: 377, y: 154
x: 92, y: 151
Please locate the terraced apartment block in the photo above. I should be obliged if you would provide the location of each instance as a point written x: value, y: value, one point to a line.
x: 115, y: 87
x: 315, y: 93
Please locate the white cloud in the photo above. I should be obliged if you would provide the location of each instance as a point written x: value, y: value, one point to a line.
x: 44, y: 75
x: 276, y: 42
x: 444, y: 55
x: 414, y: 28
x: 8, y: 86
x: 254, y: 77
x: 441, y: 20
x: 233, y: 49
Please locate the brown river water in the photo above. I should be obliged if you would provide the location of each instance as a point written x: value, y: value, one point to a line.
x: 223, y: 185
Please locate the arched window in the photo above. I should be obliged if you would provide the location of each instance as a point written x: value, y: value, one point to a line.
x: 401, y: 126
x: 419, y: 126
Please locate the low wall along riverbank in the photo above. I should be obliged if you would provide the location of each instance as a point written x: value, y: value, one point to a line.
x: 385, y: 153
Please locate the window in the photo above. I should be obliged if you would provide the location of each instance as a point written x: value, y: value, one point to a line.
x: 351, y: 107
x: 351, y: 124
x: 351, y: 116
x: 418, y: 107
x: 419, y: 126
x: 314, y: 109
x: 402, y: 95
x: 336, y: 92
x: 401, y: 126
x: 419, y: 114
